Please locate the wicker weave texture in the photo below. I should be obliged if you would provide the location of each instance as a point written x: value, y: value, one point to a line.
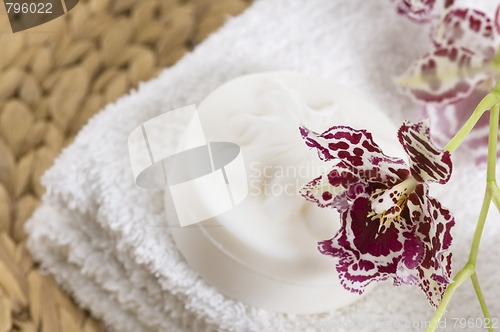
x: 53, y: 78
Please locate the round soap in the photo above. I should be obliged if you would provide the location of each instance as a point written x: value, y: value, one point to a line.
x: 263, y: 252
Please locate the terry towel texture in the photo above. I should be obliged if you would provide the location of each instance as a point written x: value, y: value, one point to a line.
x: 102, y: 237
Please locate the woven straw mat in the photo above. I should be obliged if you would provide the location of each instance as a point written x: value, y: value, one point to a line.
x: 101, y: 49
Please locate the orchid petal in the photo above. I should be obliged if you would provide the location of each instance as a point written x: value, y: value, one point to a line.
x: 413, y: 255
x: 433, y: 224
x: 330, y: 189
x: 444, y: 76
x: 405, y: 276
x: 366, y: 252
x: 432, y: 289
x: 466, y: 28
x: 419, y: 11
x: 439, y: 236
x: 427, y: 163
x: 356, y: 149
x: 414, y: 251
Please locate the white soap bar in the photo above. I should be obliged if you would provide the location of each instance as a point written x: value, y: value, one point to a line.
x: 264, y: 251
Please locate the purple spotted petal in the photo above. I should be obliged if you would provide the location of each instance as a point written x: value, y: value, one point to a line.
x: 413, y: 251
x: 432, y: 288
x: 405, y: 276
x: 413, y: 255
x: 352, y: 146
x: 444, y: 76
x: 331, y: 189
x: 433, y: 227
x: 439, y: 237
x: 419, y: 11
x: 344, y: 201
x: 466, y: 28
x: 427, y: 163
x: 366, y: 252
x: 356, y: 149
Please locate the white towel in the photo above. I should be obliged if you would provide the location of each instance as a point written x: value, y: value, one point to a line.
x: 102, y: 237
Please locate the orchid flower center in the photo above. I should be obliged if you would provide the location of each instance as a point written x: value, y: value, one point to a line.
x: 387, y: 204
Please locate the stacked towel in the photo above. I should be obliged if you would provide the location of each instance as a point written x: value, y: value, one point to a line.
x: 104, y: 239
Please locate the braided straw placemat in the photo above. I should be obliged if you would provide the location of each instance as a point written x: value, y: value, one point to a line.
x: 53, y: 78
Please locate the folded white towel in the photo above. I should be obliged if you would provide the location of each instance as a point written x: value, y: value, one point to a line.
x: 102, y: 237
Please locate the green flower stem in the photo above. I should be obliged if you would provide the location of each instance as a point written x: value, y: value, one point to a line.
x: 491, y: 194
x: 486, y: 103
x: 482, y: 302
x: 475, y: 246
x: 479, y: 228
x: 492, y: 145
x: 492, y: 148
x: 491, y: 188
x: 495, y: 191
x: 490, y: 182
